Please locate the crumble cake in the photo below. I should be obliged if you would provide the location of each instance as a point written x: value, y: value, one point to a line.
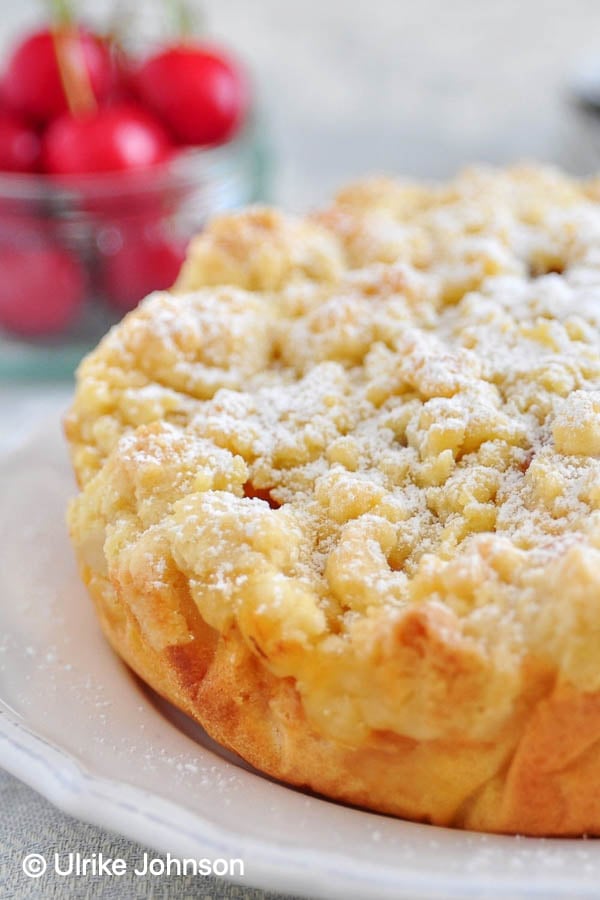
x: 340, y: 496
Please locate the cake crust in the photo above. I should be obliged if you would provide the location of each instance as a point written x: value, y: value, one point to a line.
x: 340, y: 496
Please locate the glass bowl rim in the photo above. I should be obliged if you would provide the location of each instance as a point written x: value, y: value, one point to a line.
x: 187, y: 167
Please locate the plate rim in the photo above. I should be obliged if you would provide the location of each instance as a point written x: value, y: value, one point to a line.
x: 146, y: 817
x: 91, y: 798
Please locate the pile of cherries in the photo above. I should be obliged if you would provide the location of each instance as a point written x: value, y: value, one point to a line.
x: 73, y: 105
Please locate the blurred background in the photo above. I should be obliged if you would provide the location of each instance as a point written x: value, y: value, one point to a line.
x: 344, y: 87
x: 416, y: 87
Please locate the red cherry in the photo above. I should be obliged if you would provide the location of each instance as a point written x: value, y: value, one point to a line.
x: 135, y: 264
x: 19, y: 145
x: 199, y: 93
x: 125, y: 88
x: 41, y: 290
x: 19, y: 227
x: 113, y: 139
x: 32, y: 84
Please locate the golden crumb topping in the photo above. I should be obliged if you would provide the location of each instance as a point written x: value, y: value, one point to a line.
x: 370, y: 440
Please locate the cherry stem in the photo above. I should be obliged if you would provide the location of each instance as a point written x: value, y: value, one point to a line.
x: 182, y: 18
x: 62, y: 12
x: 71, y: 61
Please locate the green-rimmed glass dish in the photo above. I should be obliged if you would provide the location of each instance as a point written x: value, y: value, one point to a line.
x: 90, y: 217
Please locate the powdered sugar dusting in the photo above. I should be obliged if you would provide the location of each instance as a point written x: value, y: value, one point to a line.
x: 340, y: 426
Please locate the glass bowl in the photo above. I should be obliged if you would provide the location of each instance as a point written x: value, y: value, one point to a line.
x: 78, y: 253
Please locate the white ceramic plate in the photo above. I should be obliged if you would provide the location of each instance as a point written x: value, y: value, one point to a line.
x: 78, y: 727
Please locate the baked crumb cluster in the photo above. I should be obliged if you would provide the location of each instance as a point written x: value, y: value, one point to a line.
x: 369, y: 440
